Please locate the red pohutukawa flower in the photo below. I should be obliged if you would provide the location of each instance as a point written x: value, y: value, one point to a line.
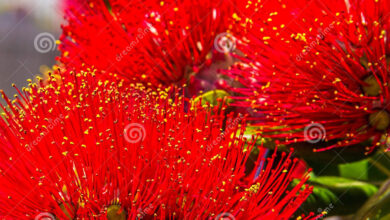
x: 321, y: 65
x: 156, y: 42
x: 92, y: 149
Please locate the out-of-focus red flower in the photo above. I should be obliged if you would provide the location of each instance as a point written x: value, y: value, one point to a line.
x: 156, y: 42
x: 321, y: 69
x: 86, y: 148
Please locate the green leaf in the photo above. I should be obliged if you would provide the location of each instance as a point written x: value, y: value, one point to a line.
x: 373, y: 169
x: 344, y: 185
x: 323, y: 195
x: 321, y: 199
x: 213, y: 97
x: 357, y: 170
x: 337, y: 195
x: 265, y: 142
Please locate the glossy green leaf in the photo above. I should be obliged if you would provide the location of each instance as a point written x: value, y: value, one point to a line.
x: 344, y: 185
x: 337, y: 195
x: 373, y: 169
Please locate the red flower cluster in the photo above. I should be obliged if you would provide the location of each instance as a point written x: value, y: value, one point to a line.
x: 156, y: 42
x: 319, y: 64
x: 86, y: 148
